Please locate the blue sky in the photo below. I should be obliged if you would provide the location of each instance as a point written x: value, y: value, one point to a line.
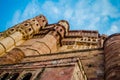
x: 101, y: 15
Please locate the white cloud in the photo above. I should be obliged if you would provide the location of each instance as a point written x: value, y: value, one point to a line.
x: 15, y: 19
x: 31, y: 10
x: 51, y: 9
x: 113, y: 29
x: 82, y: 14
x: 109, y: 10
x: 68, y: 14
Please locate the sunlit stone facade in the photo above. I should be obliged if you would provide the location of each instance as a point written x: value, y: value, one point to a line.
x: 37, y: 50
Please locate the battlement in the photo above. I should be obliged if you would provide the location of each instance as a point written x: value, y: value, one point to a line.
x: 37, y: 50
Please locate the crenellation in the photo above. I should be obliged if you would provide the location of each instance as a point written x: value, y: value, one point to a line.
x: 22, y: 31
x: 36, y: 50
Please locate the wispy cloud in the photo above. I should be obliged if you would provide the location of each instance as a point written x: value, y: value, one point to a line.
x: 32, y: 9
x: 99, y: 15
x: 114, y: 28
x: 15, y: 19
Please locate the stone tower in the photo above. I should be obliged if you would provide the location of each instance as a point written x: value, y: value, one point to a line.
x: 112, y: 57
x: 36, y: 50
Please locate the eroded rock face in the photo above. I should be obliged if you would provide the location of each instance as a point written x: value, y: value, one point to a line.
x: 112, y: 57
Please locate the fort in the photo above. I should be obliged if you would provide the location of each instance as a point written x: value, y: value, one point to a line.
x: 37, y: 50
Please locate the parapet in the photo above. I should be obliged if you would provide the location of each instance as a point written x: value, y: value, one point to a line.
x: 29, y: 27
x: 17, y: 34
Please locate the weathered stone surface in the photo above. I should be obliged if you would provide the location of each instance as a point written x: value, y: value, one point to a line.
x: 112, y: 58
x: 53, y: 52
x: 22, y: 31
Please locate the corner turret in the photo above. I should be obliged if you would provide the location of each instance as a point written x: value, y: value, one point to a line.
x: 16, y: 35
x: 112, y: 57
x: 65, y: 24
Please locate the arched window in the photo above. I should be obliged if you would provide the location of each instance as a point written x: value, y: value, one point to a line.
x: 27, y: 76
x: 14, y: 76
x: 4, y: 76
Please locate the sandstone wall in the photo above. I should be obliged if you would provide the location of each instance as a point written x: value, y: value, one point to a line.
x: 112, y: 57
